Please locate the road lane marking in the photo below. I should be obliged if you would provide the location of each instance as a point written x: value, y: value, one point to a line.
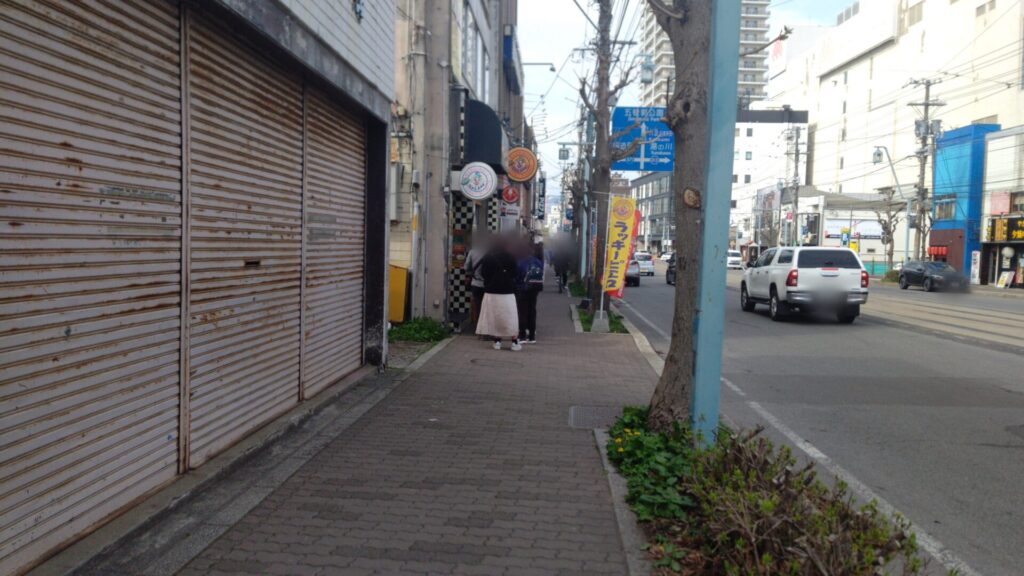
x: 644, y: 319
x: 927, y: 542
x: 734, y: 388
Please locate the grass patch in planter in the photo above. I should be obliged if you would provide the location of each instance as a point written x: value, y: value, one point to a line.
x: 742, y: 506
x: 418, y: 330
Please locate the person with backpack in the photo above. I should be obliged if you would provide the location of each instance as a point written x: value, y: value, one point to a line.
x: 529, y: 284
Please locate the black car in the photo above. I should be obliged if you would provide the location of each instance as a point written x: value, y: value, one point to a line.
x: 933, y: 276
x: 670, y: 274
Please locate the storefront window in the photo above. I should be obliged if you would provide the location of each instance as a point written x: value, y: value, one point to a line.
x: 945, y: 208
x: 1017, y: 202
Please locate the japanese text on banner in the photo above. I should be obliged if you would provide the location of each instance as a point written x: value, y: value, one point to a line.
x: 617, y: 252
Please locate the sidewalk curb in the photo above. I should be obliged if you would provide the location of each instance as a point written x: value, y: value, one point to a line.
x: 166, y: 500
x: 423, y: 359
x: 575, y: 316
x: 642, y: 343
x: 633, y: 540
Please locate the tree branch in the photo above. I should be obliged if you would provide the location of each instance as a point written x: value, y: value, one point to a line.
x: 616, y: 135
x: 786, y: 31
x: 664, y: 11
x: 585, y: 98
x: 624, y: 80
x: 620, y: 153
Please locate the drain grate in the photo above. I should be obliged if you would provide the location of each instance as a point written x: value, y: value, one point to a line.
x: 590, y: 417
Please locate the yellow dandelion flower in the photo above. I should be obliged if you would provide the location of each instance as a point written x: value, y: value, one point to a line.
x: 621, y: 450
x: 618, y: 440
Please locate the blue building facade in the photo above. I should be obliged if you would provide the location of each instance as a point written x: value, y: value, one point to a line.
x: 958, y: 174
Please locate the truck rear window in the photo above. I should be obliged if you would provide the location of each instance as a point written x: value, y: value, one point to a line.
x: 827, y: 259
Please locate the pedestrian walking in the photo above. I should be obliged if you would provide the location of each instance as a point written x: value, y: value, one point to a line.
x: 499, y: 317
x: 474, y: 273
x: 529, y: 284
x: 561, y: 263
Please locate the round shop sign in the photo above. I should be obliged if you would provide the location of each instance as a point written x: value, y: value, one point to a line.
x: 522, y: 164
x: 510, y: 194
x: 478, y: 181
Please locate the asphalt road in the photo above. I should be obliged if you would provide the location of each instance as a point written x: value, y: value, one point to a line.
x: 901, y: 402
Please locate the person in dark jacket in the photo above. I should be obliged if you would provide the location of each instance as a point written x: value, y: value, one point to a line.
x: 499, y: 317
x: 529, y: 283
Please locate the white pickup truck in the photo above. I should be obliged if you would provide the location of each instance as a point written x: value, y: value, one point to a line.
x: 805, y: 279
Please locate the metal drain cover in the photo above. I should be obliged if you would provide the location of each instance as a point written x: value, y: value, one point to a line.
x: 590, y: 417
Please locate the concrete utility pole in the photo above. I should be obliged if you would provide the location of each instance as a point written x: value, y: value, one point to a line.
x: 925, y: 131
x: 598, y: 102
x: 796, y: 186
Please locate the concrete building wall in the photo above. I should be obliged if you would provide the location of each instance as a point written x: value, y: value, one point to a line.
x: 367, y: 43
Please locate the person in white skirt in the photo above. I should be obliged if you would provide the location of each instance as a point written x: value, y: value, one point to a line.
x: 499, y: 317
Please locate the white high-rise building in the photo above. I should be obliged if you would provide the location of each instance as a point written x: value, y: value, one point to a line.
x: 753, y: 67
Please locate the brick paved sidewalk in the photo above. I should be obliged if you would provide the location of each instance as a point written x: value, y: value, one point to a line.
x: 468, y: 467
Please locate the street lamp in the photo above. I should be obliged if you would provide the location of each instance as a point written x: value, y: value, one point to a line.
x: 877, y: 159
x: 550, y: 65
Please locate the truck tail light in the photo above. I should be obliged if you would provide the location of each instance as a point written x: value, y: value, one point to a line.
x: 794, y: 274
x: 863, y: 279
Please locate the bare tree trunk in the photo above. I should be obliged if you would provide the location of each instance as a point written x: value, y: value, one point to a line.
x: 688, y: 25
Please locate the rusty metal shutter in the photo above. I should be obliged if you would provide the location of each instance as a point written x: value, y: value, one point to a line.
x: 246, y: 201
x: 90, y: 245
x: 335, y: 200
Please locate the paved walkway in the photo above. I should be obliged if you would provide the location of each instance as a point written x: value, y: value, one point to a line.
x: 468, y: 467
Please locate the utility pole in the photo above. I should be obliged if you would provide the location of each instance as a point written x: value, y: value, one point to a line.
x: 779, y: 187
x: 597, y: 101
x: 925, y: 132
x: 796, y: 186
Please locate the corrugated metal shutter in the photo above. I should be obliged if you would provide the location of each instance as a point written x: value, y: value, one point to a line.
x: 90, y: 220
x: 246, y: 177
x: 335, y: 236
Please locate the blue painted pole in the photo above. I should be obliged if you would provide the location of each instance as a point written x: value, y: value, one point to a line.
x: 724, y: 61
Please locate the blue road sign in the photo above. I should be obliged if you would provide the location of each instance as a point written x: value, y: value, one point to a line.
x: 658, y: 143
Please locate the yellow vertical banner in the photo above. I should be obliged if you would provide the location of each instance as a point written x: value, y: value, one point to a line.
x: 620, y: 233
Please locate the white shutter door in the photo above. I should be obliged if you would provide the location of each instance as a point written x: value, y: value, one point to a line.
x: 335, y: 239
x: 90, y: 245
x: 246, y: 201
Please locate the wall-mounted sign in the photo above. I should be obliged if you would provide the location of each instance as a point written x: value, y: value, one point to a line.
x: 478, y: 181
x: 510, y: 194
x: 522, y: 164
x: 866, y: 229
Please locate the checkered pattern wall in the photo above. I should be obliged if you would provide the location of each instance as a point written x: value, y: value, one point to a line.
x: 458, y: 292
x: 493, y: 218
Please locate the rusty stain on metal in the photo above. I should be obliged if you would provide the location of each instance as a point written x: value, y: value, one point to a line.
x: 137, y: 193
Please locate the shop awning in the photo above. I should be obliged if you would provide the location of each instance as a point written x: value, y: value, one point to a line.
x: 485, y: 140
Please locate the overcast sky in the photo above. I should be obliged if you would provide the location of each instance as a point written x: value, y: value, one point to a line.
x: 549, y: 30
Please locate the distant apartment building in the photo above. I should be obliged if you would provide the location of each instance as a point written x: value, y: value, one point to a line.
x: 653, y: 191
x: 753, y: 67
